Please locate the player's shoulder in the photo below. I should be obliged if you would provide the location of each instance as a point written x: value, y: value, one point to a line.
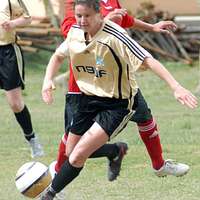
x: 113, y: 27
x: 75, y: 29
x: 75, y: 33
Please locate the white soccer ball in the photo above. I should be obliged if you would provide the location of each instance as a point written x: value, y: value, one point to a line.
x: 32, y: 179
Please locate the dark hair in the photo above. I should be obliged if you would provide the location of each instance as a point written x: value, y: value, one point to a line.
x: 95, y: 4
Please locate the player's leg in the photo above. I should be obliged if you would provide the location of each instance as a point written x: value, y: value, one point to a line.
x: 148, y: 130
x: 114, y: 152
x: 79, y: 150
x: 23, y: 117
x: 72, y: 167
x: 61, y: 155
x: 68, y: 113
x: 13, y: 83
x: 149, y: 134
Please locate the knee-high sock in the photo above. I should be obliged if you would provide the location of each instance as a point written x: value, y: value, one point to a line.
x: 66, y: 174
x: 107, y: 150
x: 24, y: 120
x: 149, y: 134
x: 110, y: 151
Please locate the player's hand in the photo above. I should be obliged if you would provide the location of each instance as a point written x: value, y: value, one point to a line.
x: 164, y: 27
x: 116, y: 15
x: 8, y: 25
x: 47, y: 91
x: 185, y: 97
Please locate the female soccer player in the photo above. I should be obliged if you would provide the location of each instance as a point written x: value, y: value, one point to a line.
x: 147, y: 126
x: 104, y: 61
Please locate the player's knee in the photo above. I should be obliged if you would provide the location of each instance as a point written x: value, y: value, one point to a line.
x: 16, y: 106
x: 68, y: 152
x: 77, y: 159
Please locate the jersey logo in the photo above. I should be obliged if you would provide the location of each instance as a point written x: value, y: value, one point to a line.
x: 91, y: 70
x: 99, y: 61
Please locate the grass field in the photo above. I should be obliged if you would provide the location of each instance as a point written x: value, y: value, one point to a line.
x: 179, y: 131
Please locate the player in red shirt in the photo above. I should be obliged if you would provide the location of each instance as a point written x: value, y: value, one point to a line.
x: 148, y: 128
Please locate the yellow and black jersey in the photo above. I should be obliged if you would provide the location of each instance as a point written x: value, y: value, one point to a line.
x: 10, y: 9
x: 106, y: 65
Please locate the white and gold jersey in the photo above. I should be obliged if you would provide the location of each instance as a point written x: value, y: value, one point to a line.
x: 106, y: 66
x: 15, y: 9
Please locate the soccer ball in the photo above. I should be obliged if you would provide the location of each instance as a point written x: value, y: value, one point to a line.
x: 32, y: 179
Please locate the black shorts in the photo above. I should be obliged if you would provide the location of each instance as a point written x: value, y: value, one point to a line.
x: 11, y: 67
x: 141, y: 115
x: 71, y: 107
x: 142, y: 112
x: 110, y: 113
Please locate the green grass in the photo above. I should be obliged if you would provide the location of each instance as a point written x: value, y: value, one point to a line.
x: 179, y: 131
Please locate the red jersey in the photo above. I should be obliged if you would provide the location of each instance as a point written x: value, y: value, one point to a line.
x: 106, y: 7
x: 110, y: 5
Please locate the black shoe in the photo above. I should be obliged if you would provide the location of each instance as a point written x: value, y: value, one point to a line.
x: 114, y: 166
x: 48, y: 195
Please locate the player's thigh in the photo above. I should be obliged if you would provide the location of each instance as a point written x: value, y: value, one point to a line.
x: 72, y: 140
x: 92, y: 140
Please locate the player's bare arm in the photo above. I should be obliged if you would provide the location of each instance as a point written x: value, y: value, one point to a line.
x: 181, y: 94
x: 48, y: 84
x: 116, y: 15
x: 11, y: 24
x: 160, y: 27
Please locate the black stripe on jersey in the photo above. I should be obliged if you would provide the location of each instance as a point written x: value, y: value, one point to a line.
x: 127, y: 67
x: 119, y: 64
x: 76, y: 26
x: 129, y: 43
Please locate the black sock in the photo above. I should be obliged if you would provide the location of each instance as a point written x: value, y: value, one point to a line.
x: 107, y: 150
x: 66, y: 174
x: 24, y: 120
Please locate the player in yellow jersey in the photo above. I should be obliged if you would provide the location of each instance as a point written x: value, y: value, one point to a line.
x: 105, y: 60
x: 13, y: 14
x: 147, y: 126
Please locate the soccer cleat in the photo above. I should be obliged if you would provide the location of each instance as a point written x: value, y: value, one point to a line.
x: 36, y: 148
x: 114, y: 166
x: 61, y: 194
x: 47, y: 195
x: 172, y: 168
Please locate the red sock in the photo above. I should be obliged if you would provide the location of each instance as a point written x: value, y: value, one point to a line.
x: 149, y: 134
x: 61, y: 157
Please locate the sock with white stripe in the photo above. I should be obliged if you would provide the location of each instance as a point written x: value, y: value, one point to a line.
x: 149, y: 134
